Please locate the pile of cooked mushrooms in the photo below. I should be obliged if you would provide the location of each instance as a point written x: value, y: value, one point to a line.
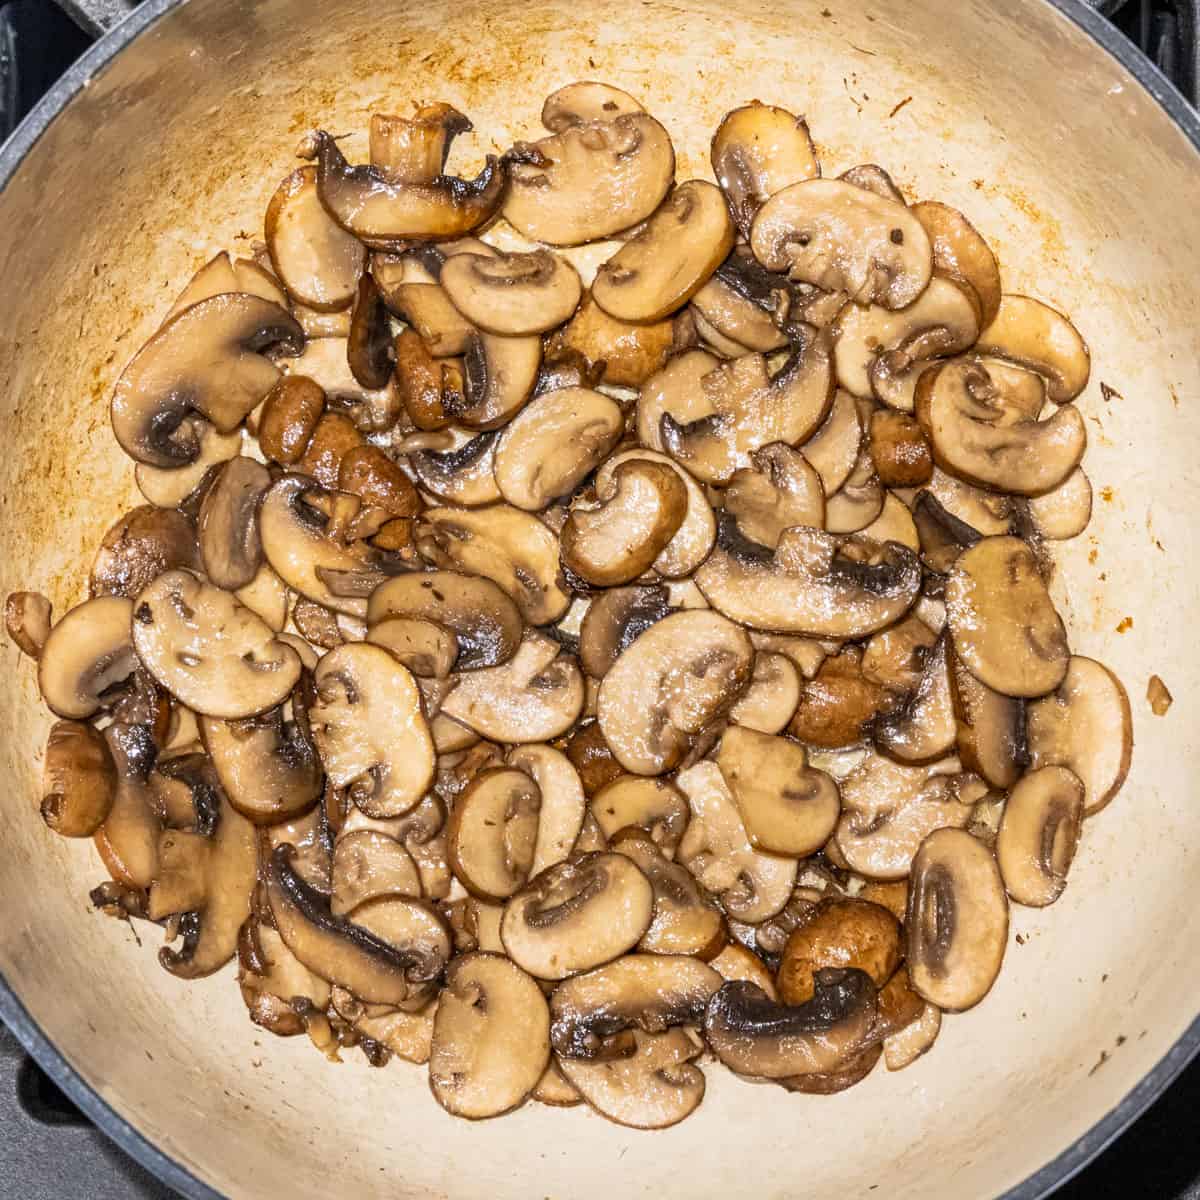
x: 555, y: 681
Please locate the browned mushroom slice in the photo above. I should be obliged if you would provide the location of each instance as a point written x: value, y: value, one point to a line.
x: 859, y: 501
x: 675, y: 679
x: 852, y: 1070
x: 368, y: 864
x: 960, y: 252
x: 585, y: 101
x: 844, y: 239
x: 833, y: 450
x: 845, y: 933
x: 1004, y: 625
x: 1040, y: 338
x: 624, y: 354
x: 207, y: 360
x: 735, y: 962
x: 894, y: 524
x: 577, y: 915
x: 756, y: 1036
x: 1085, y: 725
x: 778, y: 491
x: 904, y: 1047
x: 140, y: 545
x: 484, y: 620
x: 270, y: 976
x: 288, y: 418
x: 751, y: 886
x: 676, y: 390
x: 752, y: 409
x: 563, y: 803
x: 514, y: 294
x: 463, y: 474
x: 942, y: 535
x: 590, y: 180
x: 639, y: 509
x: 773, y: 696
x: 370, y: 729
x: 221, y: 275
x: 895, y: 658
x: 79, y: 780
x: 759, y: 150
x: 899, y: 450
x: 86, y: 653
x: 27, y: 621
x: 616, y: 618
x: 534, y: 697
x: 990, y: 728
x: 723, y: 314
x: 841, y: 704
x: 553, y: 444
x: 168, y: 487
x: 1064, y: 511
x: 924, y: 729
x: 985, y: 512
x: 510, y: 547
x: 414, y: 149
x: 382, y: 213
x: 491, y: 1037
x: 370, y: 353
x: 428, y: 650
x: 979, y: 434
x: 674, y: 253
x: 555, y: 1089
x: 227, y: 529
x: 1038, y: 834
x: 813, y: 583
x: 957, y: 922
x: 636, y: 801
x: 493, y: 832
x: 873, y: 178
x: 316, y: 260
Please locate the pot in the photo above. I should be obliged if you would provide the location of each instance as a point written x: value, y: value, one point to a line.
x: 1079, y: 164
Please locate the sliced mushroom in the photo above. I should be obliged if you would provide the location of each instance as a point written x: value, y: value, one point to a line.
x: 368, y: 864
x: 270, y: 977
x: 773, y: 696
x: 1085, y: 725
x: 1064, y: 511
x: 266, y: 595
x: 591, y: 757
x: 759, y: 150
x: 491, y: 1037
x: 894, y: 524
x: 814, y: 583
x: 942, y: 535
x: 289, y: 417
x: 833, y: 450
x: 485, y: 622
x: 960, y: 252
x: 590, y: 180
x: 979, y: 434
x: 895, y: 658
x: 670, y: 684
x: 367, y: 472
x: 563, y: 803
x: 751, y: 886
x: 957, y: 922
x: 873, y: 178
x: 756, y: 1036
x: 577, y: 915
x: 504, y: 544
x: 786, y: 806
x: 991, y: 733
x: 640, y: 507
x: 221, y: 275
x: 624, y: 354
x: 140, y: 545
x: 586, y: 101
x: 733, y: 322
x: 534, y: 697
x: 904, y: 1047
x: 736, y: 962
x: 27, y: 621
x: 334, y: 436
x: 839, y: 933
x: 79, y: 779
x: 370, y: 353
x: 1004, y: 625
x: 383, y: 213
x: 676, y: 390
x: 924, y: 729
x: 635, y: 801
x: 370, y: 729
x: 778, y: 491
x: 899, y: 450
x: 985, y: 512
x: 553, y: 444
x: 86, y: 654
x: 317, y: 261
x: 1041, y: 339
x: 207, y: 360
x: 227, y: 529
x: 513, y: 294
x: 127, y: 842
x: 614, y: 620
x: 844, y: 239
x: 414, y: 149
x: 428, y: 650
x: 462, y: 475
x: 168, y: 487
x: 1038, y: 834
x: 841, y: 704
x: 555, y: 1089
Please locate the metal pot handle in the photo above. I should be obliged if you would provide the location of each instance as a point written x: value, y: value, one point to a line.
x: 97, y: 16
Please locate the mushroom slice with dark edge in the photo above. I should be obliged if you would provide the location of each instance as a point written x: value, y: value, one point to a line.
x: 79, y: 779
x: 614, y: 620
x: 431, y: 391
x: 368, y: 864
x: 1038, y: 834
x: 670, y: 258
x: 721, y: 311
x: 227, y: 528
x: 685, y: 920
x: 590, y: 756
x: 978, y: 434
x: 859, y: 501
x: 1064, y: 511
x: 988, y: 513
x: 140, y: 545
x: 270, y: 976
x: 534, y: 697
x: 759, y: 1037
x: 168, y: 487
x: 990, y: 731
x: 1004, y: 625
x: 491, y: 1037
x: 904, y: 1047
x: 844, y: 239
x: 510, y: 547
x: 637, y: 801
x: 1085, y: 725
x: 382, y: 213
x: 493, y: 833
x: 514, y: 294
x: 960, y: 252
x: 127, y: 841
x: 894, y: 524
x: 736, y: 962
x: 210, y: 652
x: 316, y: 260
x: 957, y: 922
x: 751, y: 886
x: 368, y: 964
x: 840, y: 705
x: 222, y: 868
x: 677, y: 389
x: 853, y: 1070
x: 786, y: 806
x: 752, y: 409
x: 773, y: 696
x: 589, y: 181
x: 672, y: 682
x: 924, y: 729
x: 555, y: 1089
x: 479, y: 613
x: 778, y: 491
x: 650, y: 992
x: 814, y: 583
x: 895, y: 657
x: 624, y: 354
x: 462, y: 475
x: 27, y: 620
x: 833, y: 450
x: 873, y: 178
x: 563, y: 802
x: 586, y: 101
x: 208, y: 360
x: 86, y: 653
x: 414, y: 149
x: 370, y: 353
x: 759, y: 150
x: 553, y: 444
x: 427, y: 649
x: 639, y: 509
x: 370, y: 729
x: 499, y: 374
x: 1040, y: 338
x: 943, y: 536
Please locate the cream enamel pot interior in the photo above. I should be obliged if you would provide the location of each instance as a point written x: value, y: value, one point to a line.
x: 1088, y: 190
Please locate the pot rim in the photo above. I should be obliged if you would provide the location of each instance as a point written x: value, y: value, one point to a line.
x: 29, y: 1033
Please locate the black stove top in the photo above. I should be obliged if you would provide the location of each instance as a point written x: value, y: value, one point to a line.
x: 49, y: 1150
